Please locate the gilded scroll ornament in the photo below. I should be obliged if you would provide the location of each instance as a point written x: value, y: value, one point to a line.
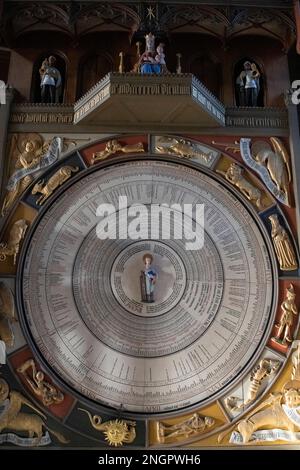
x: 13, y: 419
x: 282, y: 245
x: 33, y: 155
x: 235, y: 175
x: 289, y: 311
x: 184, y: 429
x: 49, y: 394
x: 113, y: 146
x: 56, y: 180
x: 117, y: 432
x: 276, y: 418
x: 182, y: 148
x: 263, y: 370
x: 7, y: 315
x: 12, y: 246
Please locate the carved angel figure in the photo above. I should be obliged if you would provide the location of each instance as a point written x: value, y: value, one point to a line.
x: 33, y: 154
x: 276, y: 161
x: 277, y: 417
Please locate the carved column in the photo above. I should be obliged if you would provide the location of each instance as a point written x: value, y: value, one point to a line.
x: 4, y: 120
x: 297, y: 18
x: 1, y: 9
x: 294, y: 126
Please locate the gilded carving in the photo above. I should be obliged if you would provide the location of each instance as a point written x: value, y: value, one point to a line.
x: 184, y: 429
x: 276, y: 161
x: 13, y: 419
x: 28, y: 154
x: 182, y: 148
x: 282, y: 245
x: 276, y: 418
x: 235, y: 175
x: 56, y: 180
x: 289, y: 311
x: 271, y: 164
x: 7, y: 315
x: 49, y: 394
x: 263, y: 370
x: 117, y: 432
x: 113, y: 146
x: 12, y: 246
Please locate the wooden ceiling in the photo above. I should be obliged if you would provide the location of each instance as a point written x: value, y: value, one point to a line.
x: 77, y: 19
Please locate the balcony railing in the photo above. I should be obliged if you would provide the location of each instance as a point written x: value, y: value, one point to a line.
x: 40, y: 113
x: 267, y: 117
x: 171, y: 100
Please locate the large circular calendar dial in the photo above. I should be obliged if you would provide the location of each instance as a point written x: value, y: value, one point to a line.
x: 211, y: 310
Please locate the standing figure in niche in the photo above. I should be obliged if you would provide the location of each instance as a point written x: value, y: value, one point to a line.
x: 148, y: 279
x: 50, y: 81
x: 283, y: 246
x: 289, y: 310
x: 249, y: 81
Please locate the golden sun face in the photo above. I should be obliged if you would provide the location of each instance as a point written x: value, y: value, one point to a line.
x: 116, y: 432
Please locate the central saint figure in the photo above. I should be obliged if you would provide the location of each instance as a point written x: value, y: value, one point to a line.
x: 148, y: 279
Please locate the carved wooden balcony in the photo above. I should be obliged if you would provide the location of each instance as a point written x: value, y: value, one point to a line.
x: 150, y: 100
x: 151, y: 103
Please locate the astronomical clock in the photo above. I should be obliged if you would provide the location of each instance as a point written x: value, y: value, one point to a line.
x: 186, y: 358
x: 149, y: 225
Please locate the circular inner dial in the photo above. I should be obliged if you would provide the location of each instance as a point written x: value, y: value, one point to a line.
x: 204, y: 319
